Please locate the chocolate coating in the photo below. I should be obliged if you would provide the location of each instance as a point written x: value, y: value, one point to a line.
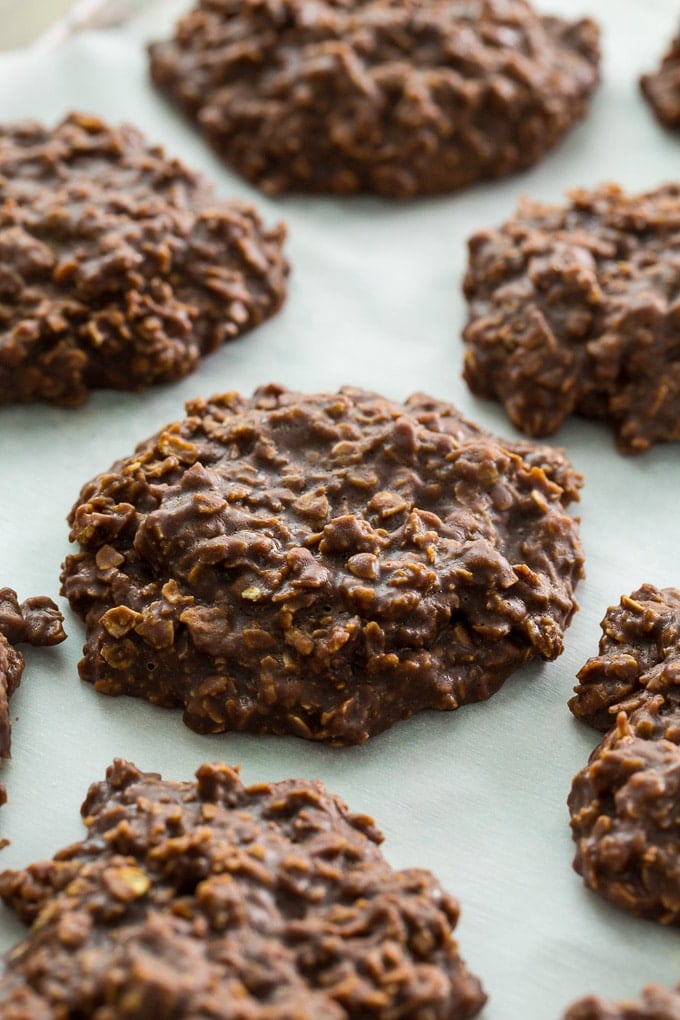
x: 118, y: 266
x: 209, y: 899
x: 397, y: 97
x: 574, y: 310
x: 321, y: 565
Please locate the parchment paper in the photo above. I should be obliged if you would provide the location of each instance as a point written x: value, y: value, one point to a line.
x: 477, y: 796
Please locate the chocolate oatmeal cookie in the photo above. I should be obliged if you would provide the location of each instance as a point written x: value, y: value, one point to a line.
x: 625, y: 822
x: 655, y: 1003
x: 624, y: 803
x: 574, y: 310
x: 397, y: 97
x: 211, y: 899
x: 118, y: 266
x: 321, y: 565
x: 662, y: 87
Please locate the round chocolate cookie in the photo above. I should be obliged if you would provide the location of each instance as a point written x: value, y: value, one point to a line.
x: 574, y: 310
x: 662, y: 87
x: 655, y: 1003
x: 397, y: 97
x: 321, y: 565
x: 209, y: 899
x: 118, y: 266
x: 625, y: 822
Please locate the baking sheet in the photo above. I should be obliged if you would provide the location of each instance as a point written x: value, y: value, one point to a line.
x: 477, y: 796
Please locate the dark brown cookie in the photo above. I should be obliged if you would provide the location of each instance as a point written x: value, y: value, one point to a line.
x: 624, y: 803
x: 574, y: 310
x: 655, y: 1003
x: 662, y: 87
x: 397, y: 97
x: 37, y: 621
x: 118, y: 267
x: 625, y: 822
x: 321, y: 565
x: 211, y: 899
x: 638, y: 668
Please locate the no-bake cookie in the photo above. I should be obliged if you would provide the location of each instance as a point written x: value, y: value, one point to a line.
x: 211, y: 899
x: 321, y: 565
x: 661, y: 88
x: 655, y: 1003
x: 624, y: 820
x: 623, y: 805
x: 397, y: 97
x: 118, y: 266
x: 574, y: 310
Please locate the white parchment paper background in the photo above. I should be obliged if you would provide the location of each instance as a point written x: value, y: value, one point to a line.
x: 477, y: 796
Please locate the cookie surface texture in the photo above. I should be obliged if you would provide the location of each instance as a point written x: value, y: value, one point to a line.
x: 396, y: 97
x: 573, y: 310
x: 118, y: 267
x: 211, y: 899
x: 321, y: 565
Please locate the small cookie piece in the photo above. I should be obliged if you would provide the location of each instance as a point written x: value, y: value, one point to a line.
x: 396, y: 97
x: 625, y: 822
x: 118, y: 266
x: 37, y: 621
x: 655, y: 1003
x: 321, y: 565
x: 211, y: 899
x: 574, y: 310
x: 662, y: 88
x: 638, y: 664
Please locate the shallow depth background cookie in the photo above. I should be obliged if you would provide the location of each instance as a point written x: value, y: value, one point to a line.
x: 118, y: 266
x: 662, y: 87
x: 321, y: 565
x: 574, y: 310
x: 209, y: 898
x: 655, y: 1003
x: 398, y: 97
